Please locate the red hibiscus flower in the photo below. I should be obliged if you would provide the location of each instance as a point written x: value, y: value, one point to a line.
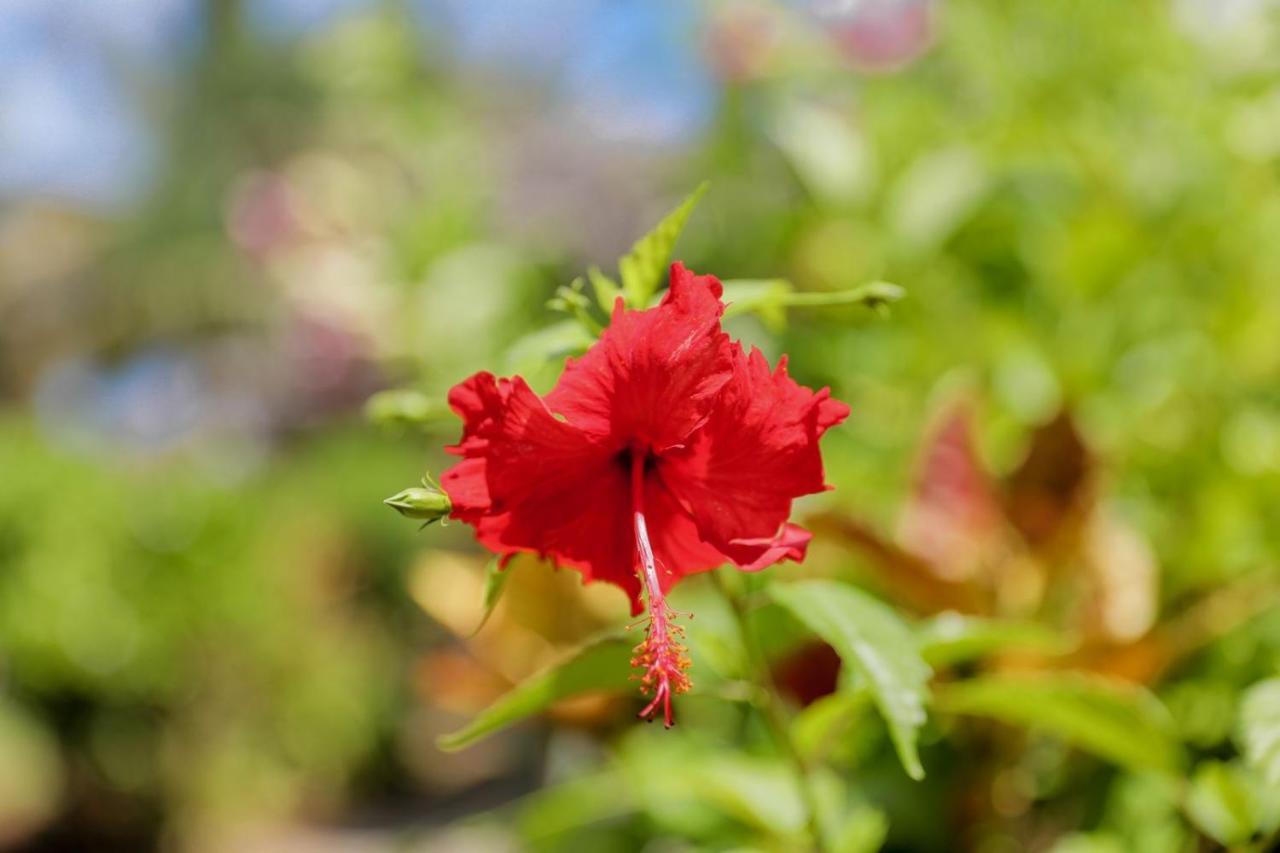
x: 663, y: 451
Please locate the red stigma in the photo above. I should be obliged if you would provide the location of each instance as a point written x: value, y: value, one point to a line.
x: 661, y: 657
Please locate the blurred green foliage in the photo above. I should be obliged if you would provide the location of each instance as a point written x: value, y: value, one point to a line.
x: 182, y: 648
x: 1080, y: 201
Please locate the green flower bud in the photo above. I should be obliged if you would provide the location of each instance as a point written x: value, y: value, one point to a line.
x: 424, y: 503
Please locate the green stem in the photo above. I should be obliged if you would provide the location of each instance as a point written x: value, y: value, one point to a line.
x: 771, y: 711
x: 875, y: 293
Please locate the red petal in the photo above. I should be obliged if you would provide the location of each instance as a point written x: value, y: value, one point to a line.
x: 757, y: 452
x: 733, y: 444
x: 533, y: 483
x: 654, y: 375
x: 677, y: 545
x: 467, y: 486
x: 791, y: 543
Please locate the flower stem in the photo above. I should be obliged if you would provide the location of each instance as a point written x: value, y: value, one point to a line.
x: 771, y: 711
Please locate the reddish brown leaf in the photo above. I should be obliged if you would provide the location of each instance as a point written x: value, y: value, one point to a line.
x: 953, y: 519
x: 1050, y: 494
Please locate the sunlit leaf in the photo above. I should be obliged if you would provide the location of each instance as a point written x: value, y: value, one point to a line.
x: 602, y: 665
x: 642, y: 268
x: 1260, y: 728
x: 1116, y: 721
x: 863, y: 830
x: 936, y: 195
x: 1229, y: 804
x: 872, y: 639
x: 826, y: 149
x: 952, y: 638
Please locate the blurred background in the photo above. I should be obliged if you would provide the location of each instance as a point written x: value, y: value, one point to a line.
x: 224, y: 224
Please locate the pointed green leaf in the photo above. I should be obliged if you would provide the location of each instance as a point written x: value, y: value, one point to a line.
x: 602, y: 665
x: 572, y: 300
x: 495, y: 581
x: 607, y: 290
x: 1260, y: 728
x: 1116, y: 721
x: 870, y: 637
x: 642, y: 268
x: 952, y: 638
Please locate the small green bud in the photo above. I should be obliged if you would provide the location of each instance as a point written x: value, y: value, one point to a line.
x: 421, y: 502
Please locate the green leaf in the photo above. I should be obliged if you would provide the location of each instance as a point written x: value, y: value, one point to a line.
x: 602, y: 665
x: 755, y: 791
x: 826, y: 723
x: 863, y: 830
x: 1116, y: 721
x: 642, y: 268
x: 406, y: 408
x: 1230, y: 804
x: 829, y: 154
x: 936, y: 194
x: 607, y: 290
x: 495, y: 581
x: 551, y: 343
x: 552, y: 812
x: 1260, y: 728
x: 952, y: 638
x: 570, y: 299
x: 870, y: 637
